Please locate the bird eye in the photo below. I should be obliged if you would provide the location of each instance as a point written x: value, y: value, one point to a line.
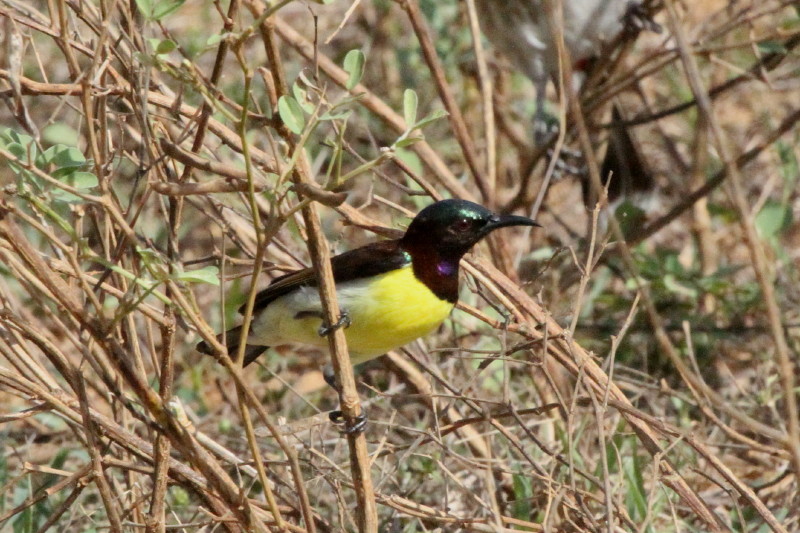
x: 463, y: 224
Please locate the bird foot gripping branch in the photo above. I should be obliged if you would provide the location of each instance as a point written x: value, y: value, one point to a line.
x: 337, y: 417
x: 358, y: 425
x: 343, y: 322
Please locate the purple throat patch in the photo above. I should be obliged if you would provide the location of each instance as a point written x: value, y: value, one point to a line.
x: 446, y: 268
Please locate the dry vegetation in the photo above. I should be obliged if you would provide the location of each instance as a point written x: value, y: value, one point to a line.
x: 585, y: 385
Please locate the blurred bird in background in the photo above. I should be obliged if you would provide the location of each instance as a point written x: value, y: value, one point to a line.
x: 520, y: 30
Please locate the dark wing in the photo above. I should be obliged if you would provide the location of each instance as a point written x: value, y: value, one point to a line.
x: 370, y: 260
x: 232, y: 338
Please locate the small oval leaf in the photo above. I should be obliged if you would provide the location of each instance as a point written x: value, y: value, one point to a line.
x: 410, y: 101
x: 354, y: 66
x: 166, y: 46
x: 209, y: 274
x: 60, y: 132
x: 67, y: 157
x: 432, y: 117
x: 292, y: 114
x: 83, y: 180
x: 336, y: 115
x: 772, y: 219
x: 301, y: 95
x: 165, y: 7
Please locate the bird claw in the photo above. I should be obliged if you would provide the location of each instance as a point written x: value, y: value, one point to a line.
x: 563, y: 165
x: 343, y: 322
x: 545, y: 128
x: 358, y: 426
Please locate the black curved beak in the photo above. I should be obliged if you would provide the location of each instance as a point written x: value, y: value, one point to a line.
x: 502, y: 221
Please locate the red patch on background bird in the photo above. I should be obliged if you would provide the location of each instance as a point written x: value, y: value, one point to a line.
x: 582, y: 64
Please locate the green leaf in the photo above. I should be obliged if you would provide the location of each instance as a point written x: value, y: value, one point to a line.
x: 209, y: 274
x: 354, y: 66
x: 77, y: 179
x: 410, y: 101
x: 64, y: 157
x: 20, y: 145
x: 148, y: 256
x: 166, y: 7
x: 11, y: 136
x: 83, y: 180
x: 60, y: 133
x: 408, y: 141
x: 301, y: 95
x: 19, y: 151
x: 24, y: 148
x: 767, y: 47
x: 636, y: 493
x: 166, y: 46
x: 772, y: 219
x: 180, y: 497
x: 217, y: 37
x: 411, y: 159
x: 155, y: 10
x: 349, y: 100
x: 432, y: 117
x: 336, y: 115
x: 672, y: 285
x: 145, y: 6
x: 727, y: 214
x: 523, y: 494
x: 291, y: 114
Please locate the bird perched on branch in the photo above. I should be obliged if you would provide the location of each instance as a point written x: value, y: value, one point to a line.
x: 390, y: 292
x: 520, y: 29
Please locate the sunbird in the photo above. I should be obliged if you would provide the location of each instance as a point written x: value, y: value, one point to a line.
x: 390, y: 292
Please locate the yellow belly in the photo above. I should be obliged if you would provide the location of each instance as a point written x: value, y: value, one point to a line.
x: 386, y: 312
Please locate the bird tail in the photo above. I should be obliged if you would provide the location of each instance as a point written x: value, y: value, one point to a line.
x: 623, y: 162
x: 232, y: 338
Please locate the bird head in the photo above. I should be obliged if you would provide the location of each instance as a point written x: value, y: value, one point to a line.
x: 452, y: 227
